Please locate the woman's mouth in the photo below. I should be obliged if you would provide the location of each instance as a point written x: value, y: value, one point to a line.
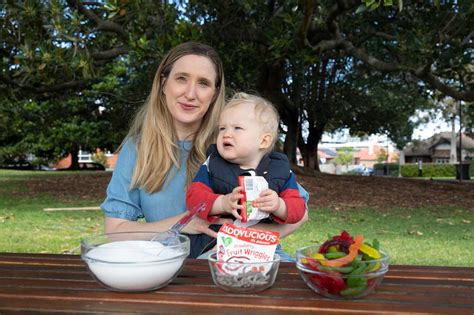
x: 188, y: 107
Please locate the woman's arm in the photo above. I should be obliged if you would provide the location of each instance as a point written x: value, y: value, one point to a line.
x: 113, y: 225
x: 195, y: 226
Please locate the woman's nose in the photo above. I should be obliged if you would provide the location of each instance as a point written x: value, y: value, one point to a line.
x: 191, y: 90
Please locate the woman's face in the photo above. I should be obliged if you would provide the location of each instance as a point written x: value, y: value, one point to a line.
x: 189, y: 90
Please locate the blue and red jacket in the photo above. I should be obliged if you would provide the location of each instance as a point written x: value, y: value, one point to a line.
x: 219, y: 177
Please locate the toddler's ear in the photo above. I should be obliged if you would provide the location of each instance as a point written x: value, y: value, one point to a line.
x: 266, y: 140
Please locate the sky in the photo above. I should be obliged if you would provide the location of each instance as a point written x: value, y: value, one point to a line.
x: 424, y: 131
x: 436, y: 125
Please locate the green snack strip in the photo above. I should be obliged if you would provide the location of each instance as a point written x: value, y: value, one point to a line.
x: 338, y: 269
x: 358, y: 269
x: 370, y: 266
x: 334, y: 255
x: 352, y: 291
x: 356, y: 282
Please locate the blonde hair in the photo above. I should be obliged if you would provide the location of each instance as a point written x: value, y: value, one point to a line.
x: 154, y: 132
x: 265, y: 113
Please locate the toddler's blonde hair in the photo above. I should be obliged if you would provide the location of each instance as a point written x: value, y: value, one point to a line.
x: 265, y: 113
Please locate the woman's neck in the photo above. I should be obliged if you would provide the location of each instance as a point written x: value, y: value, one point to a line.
x: 186, y: 132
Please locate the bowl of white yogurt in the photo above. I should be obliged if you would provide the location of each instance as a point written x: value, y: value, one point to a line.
x: 135, y: 261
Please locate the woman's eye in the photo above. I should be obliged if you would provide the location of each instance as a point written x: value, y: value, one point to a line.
x: 204, y: 83
x: 180, y: 78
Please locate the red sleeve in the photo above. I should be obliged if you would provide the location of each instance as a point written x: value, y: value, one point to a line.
x: 199, y: 193
x: 295, y: 206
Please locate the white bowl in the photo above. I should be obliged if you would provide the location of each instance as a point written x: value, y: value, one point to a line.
x: 131, y: 261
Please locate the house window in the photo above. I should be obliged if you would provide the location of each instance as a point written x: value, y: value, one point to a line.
x: 442, y: 160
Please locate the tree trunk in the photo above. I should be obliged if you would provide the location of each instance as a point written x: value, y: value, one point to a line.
x: 74, y: 159
x: 311, y: 147
x: 452, y: 156
x: 289, y: 147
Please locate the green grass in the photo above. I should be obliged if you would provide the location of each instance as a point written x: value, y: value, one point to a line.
x: 26, y: 228
x: 424, y: 236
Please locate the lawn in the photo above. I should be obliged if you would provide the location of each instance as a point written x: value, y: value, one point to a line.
x: 427, y: 235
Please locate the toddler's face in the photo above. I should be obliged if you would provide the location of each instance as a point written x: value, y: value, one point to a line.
x: 239, y: 137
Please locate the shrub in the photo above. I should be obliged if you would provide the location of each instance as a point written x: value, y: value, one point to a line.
x: 429, y: 170
x: 380, y: 167
x: 101, y: 158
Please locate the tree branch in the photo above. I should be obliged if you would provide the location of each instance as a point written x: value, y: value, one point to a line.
x: 434, y: 82
x: 102, y: 25
x: 110, y: 54
x: 49, y: 89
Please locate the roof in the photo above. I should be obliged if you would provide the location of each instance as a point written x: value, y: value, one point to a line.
x: 425, y: 147
x: 326, y: 153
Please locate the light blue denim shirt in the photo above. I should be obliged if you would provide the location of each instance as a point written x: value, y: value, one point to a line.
x: 132, y: 204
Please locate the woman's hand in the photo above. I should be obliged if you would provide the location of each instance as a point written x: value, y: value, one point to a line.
x: 199, y: 226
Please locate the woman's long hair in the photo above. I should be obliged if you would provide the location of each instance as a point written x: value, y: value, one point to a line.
x: 154, y: 132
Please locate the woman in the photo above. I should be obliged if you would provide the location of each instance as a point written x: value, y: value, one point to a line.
x: 167, y: 143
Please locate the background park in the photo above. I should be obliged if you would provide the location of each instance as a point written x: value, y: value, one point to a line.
x: 74, y: 72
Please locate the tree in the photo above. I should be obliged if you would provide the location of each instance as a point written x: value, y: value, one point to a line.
x: 326, y: 65
x: 343, y: 157
x: 316, y: 89
x: 382, y: 156
x: 74, y: 72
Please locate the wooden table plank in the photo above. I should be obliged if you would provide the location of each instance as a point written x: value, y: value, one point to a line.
x: 34, y: 283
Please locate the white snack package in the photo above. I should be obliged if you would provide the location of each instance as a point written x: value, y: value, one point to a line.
x: 253, y: 186
x: 240, y: 244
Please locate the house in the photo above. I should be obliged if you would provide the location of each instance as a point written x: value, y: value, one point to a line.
x: 437, y: 149
x: 326, y: 155
x: 364, y: 153
x: 86, y: 157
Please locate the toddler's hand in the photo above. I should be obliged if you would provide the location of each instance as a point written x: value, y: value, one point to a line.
x: 230, y: 202
x: 268, y: 201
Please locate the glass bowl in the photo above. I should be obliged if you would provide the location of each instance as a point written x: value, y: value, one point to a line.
x: 353, y: 281
x: 135, y: 261
x: 243, y: 277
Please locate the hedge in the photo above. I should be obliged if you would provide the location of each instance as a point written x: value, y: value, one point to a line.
x: 429, y: 170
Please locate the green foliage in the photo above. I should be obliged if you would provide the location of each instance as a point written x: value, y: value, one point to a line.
x: 382, y: 155
x: 371, y: 81
x: 343, y: 158
x: 429, y: 170
x: 101, y: 158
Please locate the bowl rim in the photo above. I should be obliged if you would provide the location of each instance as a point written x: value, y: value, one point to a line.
x: 213, y: 258
x: 299, y: 254
x: 377, y: 273
x: 185, y: 240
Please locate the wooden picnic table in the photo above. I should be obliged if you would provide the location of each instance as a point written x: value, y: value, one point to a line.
x: 59, y: 284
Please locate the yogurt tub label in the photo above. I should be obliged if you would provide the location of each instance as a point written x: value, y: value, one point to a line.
x: 133, y: 265
x: 240, y: 244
